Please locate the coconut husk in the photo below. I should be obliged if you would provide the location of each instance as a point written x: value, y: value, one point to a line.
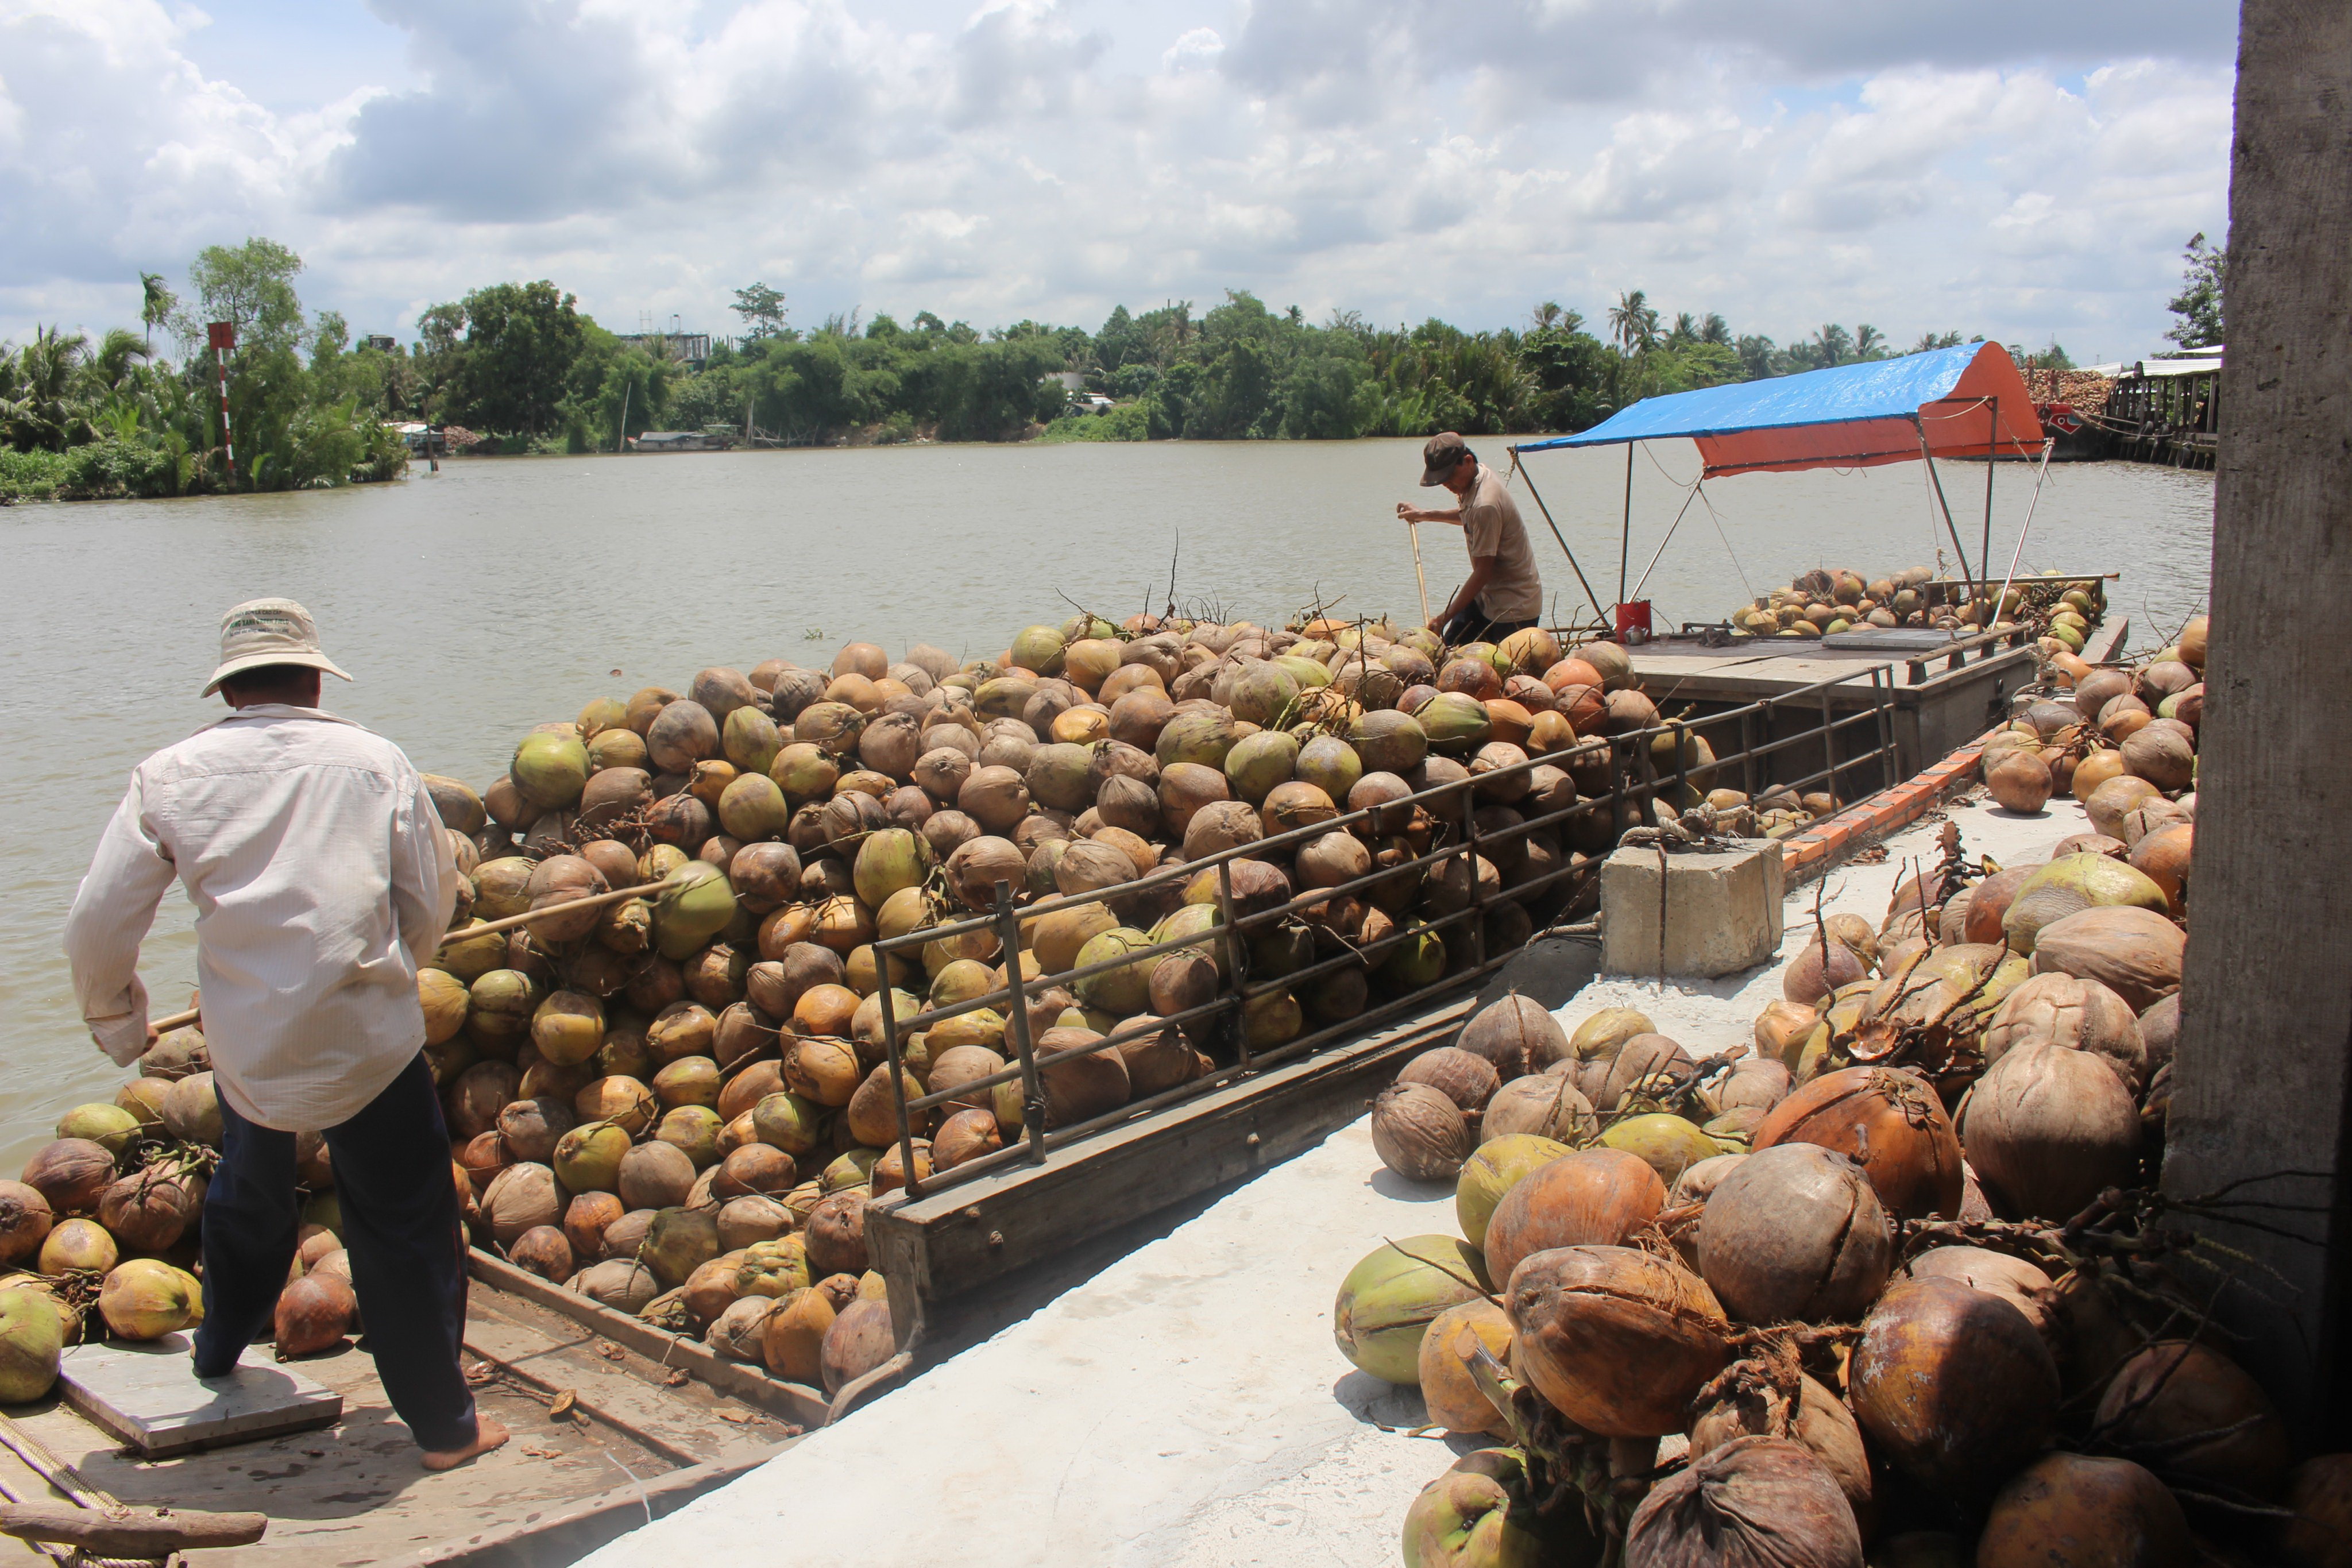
x: 1420, y: 1133
x: 2070, y: 1498
x: 1795, y: 1232
x: 1752, y: 1502
x: 1888, y: 1121
x: 2134, y: 953
x: 1593, y: 1197
x: 1951, y: 1386
x: 1618, y: 1339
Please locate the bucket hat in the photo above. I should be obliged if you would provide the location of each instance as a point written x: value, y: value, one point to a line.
x: 269, y: 631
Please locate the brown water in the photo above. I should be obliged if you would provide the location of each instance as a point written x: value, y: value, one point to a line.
x: 496, y: 593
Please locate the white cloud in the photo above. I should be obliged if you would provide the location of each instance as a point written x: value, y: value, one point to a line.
x: 2011, y: 168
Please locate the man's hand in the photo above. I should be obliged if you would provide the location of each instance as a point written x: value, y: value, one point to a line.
x: 1438, y: 623
x: 1407, y: 512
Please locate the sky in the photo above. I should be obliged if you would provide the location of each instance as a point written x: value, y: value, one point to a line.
x: 2026, y: 170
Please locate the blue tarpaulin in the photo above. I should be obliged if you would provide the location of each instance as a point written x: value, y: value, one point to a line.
x: 1964, y: 401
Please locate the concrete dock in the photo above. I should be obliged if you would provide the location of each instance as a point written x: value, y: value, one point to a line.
x: 1186, y: 1405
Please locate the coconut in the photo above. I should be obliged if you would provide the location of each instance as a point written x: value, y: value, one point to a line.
x: 2107, y: 804
x: 655, y: 1175
x: 316, y: 1311
x: 1752, y: 1502
x: 145, y: 1299
x: 1888, y: 1121
x: 1420, y: 1133
x: 2078, y: 1015
x: 791, y: 1337
x: 147, y: 1211
x: 1795, y: 1232
x: 1491, y: 1172
x: 69, y: 1174
x: 1448, y: 1392
x: 621, y: 1283
x: 965, y: 1136
x: 1079, y: 1087
x: 1518, y: 1035
x: 2019, y: 781
x: 79, y: 1244
x: 678, y: 1242
x: 2162, y: 756
x: 1952, y: 1386
x: 1480, y: 1512
x: 1618, y: 1339
x: 587, y: 1158
x: 1818, y: 971
x: 2069, y: 886
x: 2134, y: 953
x: 1388, y: 741
x: 2319, y: 1495
x: 1755, y: 1084
x: 2077, y: 1508
x: 1815, y: 1417
x: 1547, y: 1104
x: 520, y: 1198
x: 33, y: 1333
x: 2198, y: 1417
x: 1594, y: 1197
x: 2159, y: 1028
x: 1393, y: 1294
x: 836, y: 1235
x: 1651, y: 1069
x: 531, y: 1128
x: 695, y: 905
x: 2162, y: 855
x: 2013, y: 1279
x: 1466, y: 1080
x: 858, y: 1342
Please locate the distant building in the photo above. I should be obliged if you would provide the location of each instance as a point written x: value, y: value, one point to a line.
x: 1073, y: 382
x: 690, y: 349
x: 383, y: 343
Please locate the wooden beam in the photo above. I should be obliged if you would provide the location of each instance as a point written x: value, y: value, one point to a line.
x: 2260, y: 1083
x: 129, y: 1532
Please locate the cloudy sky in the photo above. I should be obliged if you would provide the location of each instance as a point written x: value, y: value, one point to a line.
x: 2021, y: 168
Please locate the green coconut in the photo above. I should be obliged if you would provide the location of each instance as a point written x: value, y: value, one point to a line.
x: 32, y: 1341
x: 1126, y: 990
x: 1270, y: 1018
x: 568, y: 1027
x: 750, y: 740
x: 550, y: 769
x: 1455, y: 722
x: 499, y: 1005
x: 108, y: 1126
x: 2068, y: 885
x: 588, y: 1157
x: 1039, y: 649
x: 1416, y: 961
x: 1260, y: 762
x: 1262, y: 694
x: 1199, y: 736
x: 1330, y: 765
x: 693, y: 1129
x: 1494, y: 1171
x: 678, y: 1242
x: 470, y: 957
x: 889, y: 861
x: 1667, y: 1144
x: 1305, y: 671
x: 695, y: 905
x: 1479, y: 1514
x: 1060, y: 776
x: 1389, y: 1299
x: 1194, y: 919
x: 789, y: 1122
x: 1386, y: 741
x: 146, y: 1298
x: 460, y: 808
x: 753, y: 806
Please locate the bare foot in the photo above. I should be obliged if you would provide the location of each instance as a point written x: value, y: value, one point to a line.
x: 488, y: 1435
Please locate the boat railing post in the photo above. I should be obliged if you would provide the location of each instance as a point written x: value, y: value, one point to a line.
x: 1033, y: 1087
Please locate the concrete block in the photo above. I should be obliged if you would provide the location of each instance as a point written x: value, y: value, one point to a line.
x: 1723, y: 908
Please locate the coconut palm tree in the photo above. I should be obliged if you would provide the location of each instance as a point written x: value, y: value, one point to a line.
x: 1869, y: 342
x: 42, y: 409
x: 1714, y: 329
x: 1634, y: 322
x: 156, y: 304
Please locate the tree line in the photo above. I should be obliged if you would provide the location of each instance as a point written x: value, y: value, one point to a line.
x: 522, y: 367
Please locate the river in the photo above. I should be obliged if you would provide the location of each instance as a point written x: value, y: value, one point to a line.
x: 473, y: 602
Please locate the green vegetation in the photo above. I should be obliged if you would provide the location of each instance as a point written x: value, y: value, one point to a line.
x: 520, y: 367
x: 84, y: 420
x: 2199, y: 303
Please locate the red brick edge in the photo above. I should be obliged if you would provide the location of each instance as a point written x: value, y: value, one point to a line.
x: 1834, y: 839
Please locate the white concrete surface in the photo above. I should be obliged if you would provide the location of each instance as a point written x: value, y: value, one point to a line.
x: 1186, y: 1407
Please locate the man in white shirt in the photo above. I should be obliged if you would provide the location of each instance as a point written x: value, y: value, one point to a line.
x: 321, y: 882
x: 1503, y: 594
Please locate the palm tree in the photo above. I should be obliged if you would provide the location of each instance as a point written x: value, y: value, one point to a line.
x: 1714, y: 329
x: 40, y: 409
x: 1546, y: 316
x: 1869, y: 342
x: 110, y: 366
x: 156, y: 304
x: 1634, y: 322
x: 1833, y: 344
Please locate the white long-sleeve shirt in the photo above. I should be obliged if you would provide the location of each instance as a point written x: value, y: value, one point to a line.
x: 321, y: 882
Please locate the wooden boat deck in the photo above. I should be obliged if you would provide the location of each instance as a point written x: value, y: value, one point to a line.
x: 641, y: 1438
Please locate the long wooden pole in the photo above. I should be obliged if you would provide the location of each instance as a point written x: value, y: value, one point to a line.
x: 1413, y: 531
x: 487, y: 928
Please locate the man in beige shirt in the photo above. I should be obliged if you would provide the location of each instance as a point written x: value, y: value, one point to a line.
x: 321, y: 882
x: 1503, y: 594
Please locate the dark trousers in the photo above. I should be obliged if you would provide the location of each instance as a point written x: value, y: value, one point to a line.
x: 1472, y: 626
x: 399, y: 1224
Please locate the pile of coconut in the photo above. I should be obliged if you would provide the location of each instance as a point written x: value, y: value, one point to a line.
x: 1883, y: 1277
x: 680, y: 1104
x: 1821, y: 603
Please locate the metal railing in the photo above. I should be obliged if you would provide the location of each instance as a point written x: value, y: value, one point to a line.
x: 1634, y: 783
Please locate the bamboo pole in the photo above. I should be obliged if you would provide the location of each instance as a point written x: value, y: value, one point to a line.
x: 1413, y: 531
x: 487, y: 928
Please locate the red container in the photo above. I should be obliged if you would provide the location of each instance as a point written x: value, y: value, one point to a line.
x: 1634, y: 622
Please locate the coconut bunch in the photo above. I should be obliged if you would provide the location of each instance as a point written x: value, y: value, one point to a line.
x: 2115, y: 738
x: 1821, y: 602
x: 104, y: 1226
x: 644, y: 1096
x: 1817, y: 1342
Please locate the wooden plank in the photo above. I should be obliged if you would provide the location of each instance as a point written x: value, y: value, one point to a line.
x: 936, y: 1247
x: 149, y: 1397
x: 132, y: 1533
x: 794, y: 1402
x: 2262, y: 1080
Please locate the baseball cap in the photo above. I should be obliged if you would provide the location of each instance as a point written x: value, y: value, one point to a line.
x: 269, y: 631
x: 1439, y: 458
